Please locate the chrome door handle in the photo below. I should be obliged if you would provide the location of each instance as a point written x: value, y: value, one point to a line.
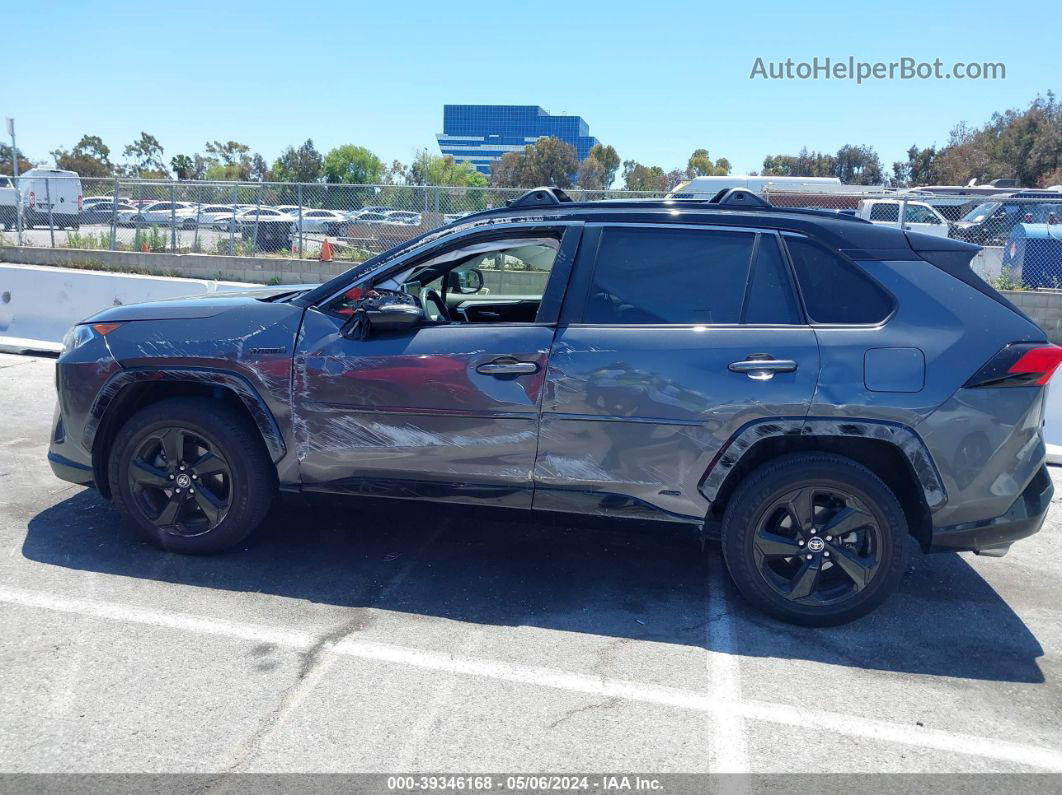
x: 763, y: 369
x: 507, y: 367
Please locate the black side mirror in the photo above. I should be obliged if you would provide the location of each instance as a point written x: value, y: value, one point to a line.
x: 385, y: 312
x: 464, y: 282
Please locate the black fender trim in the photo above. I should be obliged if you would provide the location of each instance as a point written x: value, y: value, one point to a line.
x: 904, y: 438
x: 225, y: 379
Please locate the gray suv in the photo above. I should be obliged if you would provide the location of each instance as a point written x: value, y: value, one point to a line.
x: 809, y: 387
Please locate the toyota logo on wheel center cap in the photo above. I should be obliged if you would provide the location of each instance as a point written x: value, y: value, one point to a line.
x: 184, y: 481
x: 816, y: 545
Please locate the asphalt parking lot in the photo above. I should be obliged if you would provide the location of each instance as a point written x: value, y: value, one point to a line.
x: 389, y: 638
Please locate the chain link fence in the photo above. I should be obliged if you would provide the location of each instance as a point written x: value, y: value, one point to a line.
x: 1021, y: 231
x: 245, y: 219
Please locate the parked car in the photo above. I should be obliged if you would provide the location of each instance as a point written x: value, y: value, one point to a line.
x: 323, y: 221
x: 179, y: 214
x: 990, y: 223
x: 372, y: 218
x: 245, y: 220
x: 104, y: 212
x: 56, y: 188
x: 785, y: 379
x: 404, y: 217
x: 918, y: 216
x: 212, y: 216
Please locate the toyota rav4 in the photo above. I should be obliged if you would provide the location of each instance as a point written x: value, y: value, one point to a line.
x: 809, y: 386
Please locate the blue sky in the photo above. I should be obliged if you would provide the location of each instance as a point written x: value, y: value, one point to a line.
x: 656, y: 80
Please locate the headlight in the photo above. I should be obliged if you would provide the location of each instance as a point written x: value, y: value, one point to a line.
x: 80, y: 334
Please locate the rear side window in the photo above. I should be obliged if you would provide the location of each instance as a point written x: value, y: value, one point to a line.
x: 884, y: 212
x: 834, y: 290
x: 659, y: 275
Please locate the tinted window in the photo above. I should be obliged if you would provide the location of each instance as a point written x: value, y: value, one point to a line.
x: 659, y: 275
x: 920, y: 215
x: 771, y: 298
x: 834, y: 290
x: 884, y: 212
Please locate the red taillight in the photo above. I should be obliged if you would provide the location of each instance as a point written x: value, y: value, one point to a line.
x: 1019, y: 364
x: 1038, y: 362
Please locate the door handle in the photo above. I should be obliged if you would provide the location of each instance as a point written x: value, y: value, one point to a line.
x: 507, y: 366
x: 761, y: 368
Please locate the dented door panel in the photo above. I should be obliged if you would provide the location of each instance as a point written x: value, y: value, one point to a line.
x: 632, y: 416
x: 410, y: 415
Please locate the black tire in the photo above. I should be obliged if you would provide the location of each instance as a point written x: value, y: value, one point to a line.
x: 236, y: 487
x: 849, y: 574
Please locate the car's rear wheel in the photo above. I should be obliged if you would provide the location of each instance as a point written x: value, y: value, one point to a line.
x: 191, y: 474
x: 815, y: 539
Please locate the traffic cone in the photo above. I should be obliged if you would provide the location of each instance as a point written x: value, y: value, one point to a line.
x: 326, y: 251
x: 144, y: 247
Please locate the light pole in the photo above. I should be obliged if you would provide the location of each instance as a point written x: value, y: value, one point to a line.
x: 14, y: 179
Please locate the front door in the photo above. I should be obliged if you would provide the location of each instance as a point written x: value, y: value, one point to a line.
x: 671, y: 339
x: 448, y: 410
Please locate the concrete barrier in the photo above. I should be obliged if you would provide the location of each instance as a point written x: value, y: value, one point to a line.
x: 263, y: 270
x: 38, y: 304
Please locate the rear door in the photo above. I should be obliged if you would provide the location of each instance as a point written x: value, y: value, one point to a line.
x: 672, y: 338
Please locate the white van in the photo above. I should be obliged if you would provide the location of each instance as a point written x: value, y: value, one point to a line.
x: 62, y: 189
x: 918, y: 216
x: 8, y: 204
x: 704, y: 188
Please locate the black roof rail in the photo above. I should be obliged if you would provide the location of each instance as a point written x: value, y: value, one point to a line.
x: 730, y: 197
x: 540, y: 197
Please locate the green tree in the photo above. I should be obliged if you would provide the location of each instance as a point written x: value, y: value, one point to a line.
x: 429, y: 169
x: 700, y: 165
x: 304, y: 164
x: 90, y: 158
x: 920, y: 168
x: 609, y: 160
x: 548, y: 161
x: 230, y: 160
x: 591, y: 174
x: 353, y: 165
x: 644, y: 178
x: 24, y: 164
x: 145, y: 157
x: 858, y: 165
x: 183, y: 166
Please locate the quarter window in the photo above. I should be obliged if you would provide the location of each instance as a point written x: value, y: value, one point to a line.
x: 834, y: 290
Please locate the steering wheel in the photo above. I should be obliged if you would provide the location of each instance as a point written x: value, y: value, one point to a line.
x: 434, y: 297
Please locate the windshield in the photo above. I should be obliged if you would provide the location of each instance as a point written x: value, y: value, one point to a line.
x: 981, y: 211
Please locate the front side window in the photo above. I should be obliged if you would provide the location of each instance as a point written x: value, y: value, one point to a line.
x: 660, y: 275
x: 499, y: 281
x: 917, y: 214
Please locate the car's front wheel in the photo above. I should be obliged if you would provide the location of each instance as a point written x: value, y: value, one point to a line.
x: 815, y: 539
x: 191, y: 474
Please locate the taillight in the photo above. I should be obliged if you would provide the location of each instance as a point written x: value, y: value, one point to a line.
x: 1019, y: 364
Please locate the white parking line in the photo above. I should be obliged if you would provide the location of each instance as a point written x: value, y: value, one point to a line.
x: 885, y: 731
x: 728, y: 743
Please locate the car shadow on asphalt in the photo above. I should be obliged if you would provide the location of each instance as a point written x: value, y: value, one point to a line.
x: 643, y: 582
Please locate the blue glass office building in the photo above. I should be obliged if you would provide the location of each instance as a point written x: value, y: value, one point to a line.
x: 481, y: 134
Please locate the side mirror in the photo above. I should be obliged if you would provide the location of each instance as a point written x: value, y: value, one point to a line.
x: 382, y: 314
x: 464, y: 282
